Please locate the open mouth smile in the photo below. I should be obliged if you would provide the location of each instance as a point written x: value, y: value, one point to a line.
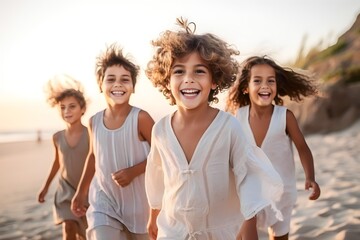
x: 190, y: 92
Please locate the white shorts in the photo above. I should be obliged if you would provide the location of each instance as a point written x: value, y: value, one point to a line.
x: 280, y: 228
x: 108, y: 232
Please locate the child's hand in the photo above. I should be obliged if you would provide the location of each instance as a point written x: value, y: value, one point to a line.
x: 79, y: 205
x: 152, y: 229
x: 315, y: 189
x: 123, y: 177
x: 42, y: 194
x: 152, y: 226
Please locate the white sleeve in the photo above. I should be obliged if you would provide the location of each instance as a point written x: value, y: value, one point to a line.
x: 259, y: 187
x: 154, y: 178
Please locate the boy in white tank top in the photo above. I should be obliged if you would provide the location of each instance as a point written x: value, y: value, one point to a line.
x: 120, y: 139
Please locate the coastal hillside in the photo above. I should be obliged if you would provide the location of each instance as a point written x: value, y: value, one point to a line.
x: 337, y: 68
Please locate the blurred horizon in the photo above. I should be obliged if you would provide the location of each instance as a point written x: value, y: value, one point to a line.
x: 43, y: 38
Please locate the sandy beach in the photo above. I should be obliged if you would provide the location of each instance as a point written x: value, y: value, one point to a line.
x: 335, y: 215
x: 24, y: 167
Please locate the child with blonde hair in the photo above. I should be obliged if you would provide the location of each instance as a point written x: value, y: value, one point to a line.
x: 71, y: 148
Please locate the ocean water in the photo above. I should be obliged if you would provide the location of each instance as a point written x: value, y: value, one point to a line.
x: 19, y: 136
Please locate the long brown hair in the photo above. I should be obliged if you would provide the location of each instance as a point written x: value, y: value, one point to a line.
x: 289, y: 83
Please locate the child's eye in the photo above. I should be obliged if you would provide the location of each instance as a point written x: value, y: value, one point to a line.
x: 272, y: 81
x: 178, y: 71
x: 200, y: 71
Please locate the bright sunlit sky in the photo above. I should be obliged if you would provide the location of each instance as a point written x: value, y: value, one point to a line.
x: 41, y: 38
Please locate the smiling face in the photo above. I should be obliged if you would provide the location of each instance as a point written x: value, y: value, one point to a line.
x: 262, y: 85
x: 117, y: 85
x: 70, y: 110
x: 191, y: 81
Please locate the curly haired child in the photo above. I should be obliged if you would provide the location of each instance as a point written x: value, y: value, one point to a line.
x: 200, y: 167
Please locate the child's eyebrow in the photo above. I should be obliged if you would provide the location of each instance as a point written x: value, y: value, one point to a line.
x: 126, y: 75
x: 202, y: 65
x: 123, y: 75
x: 259, y: 76
x: 197, y: 65
x: 110, y: 75
x: 177, y: 65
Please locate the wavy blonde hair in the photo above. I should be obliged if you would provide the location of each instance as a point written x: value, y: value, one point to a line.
x: 61, y: 86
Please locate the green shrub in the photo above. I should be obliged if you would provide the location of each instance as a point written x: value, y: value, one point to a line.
x: 315, y: 54
x: 352, y: 75
x: 347, y: 75
x: 331, y: 51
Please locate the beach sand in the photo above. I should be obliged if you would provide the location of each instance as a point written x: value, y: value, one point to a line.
x: 335, y: 215
x: 24, y: 168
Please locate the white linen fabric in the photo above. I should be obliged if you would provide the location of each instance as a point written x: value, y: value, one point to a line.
x: 117, y: 149
x: 201, y: 199
x: 278, y: 147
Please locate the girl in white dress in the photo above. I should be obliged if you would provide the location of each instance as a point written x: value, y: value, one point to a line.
x: 120, y: 138
x: 200, y: 175
x: 273, y: 128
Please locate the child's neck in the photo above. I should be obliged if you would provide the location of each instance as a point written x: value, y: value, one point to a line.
x: 75, y: 127
x: 198, y: 115
x: 115, y: 111
x: 190, y: 125
x: 114, y: 117
x: 259, y: 120
x: 261, y: 111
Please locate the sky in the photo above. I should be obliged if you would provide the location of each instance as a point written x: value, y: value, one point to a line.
x: 42, y: 38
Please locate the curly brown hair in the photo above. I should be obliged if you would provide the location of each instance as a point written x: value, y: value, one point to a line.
x: 113, y: 55
x: 174, y: 45
x: 289, y: 83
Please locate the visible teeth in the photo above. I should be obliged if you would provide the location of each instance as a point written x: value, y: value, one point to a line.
x: 117, y: 92
x: 264, y: 94
x: 189, y: 91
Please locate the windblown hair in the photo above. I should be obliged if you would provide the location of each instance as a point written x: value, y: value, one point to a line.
x: 113, y: 55
x: 174, y: 45
x: 62, y: 86
x: 289, y: 83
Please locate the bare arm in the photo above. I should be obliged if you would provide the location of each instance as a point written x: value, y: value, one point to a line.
x: 248, y: 230
x: 146, y: 124
x: 152, y: 226
x: 54, y: 169
x: 305, y: 154
x: 124, y: 177
x: 79, y: 201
